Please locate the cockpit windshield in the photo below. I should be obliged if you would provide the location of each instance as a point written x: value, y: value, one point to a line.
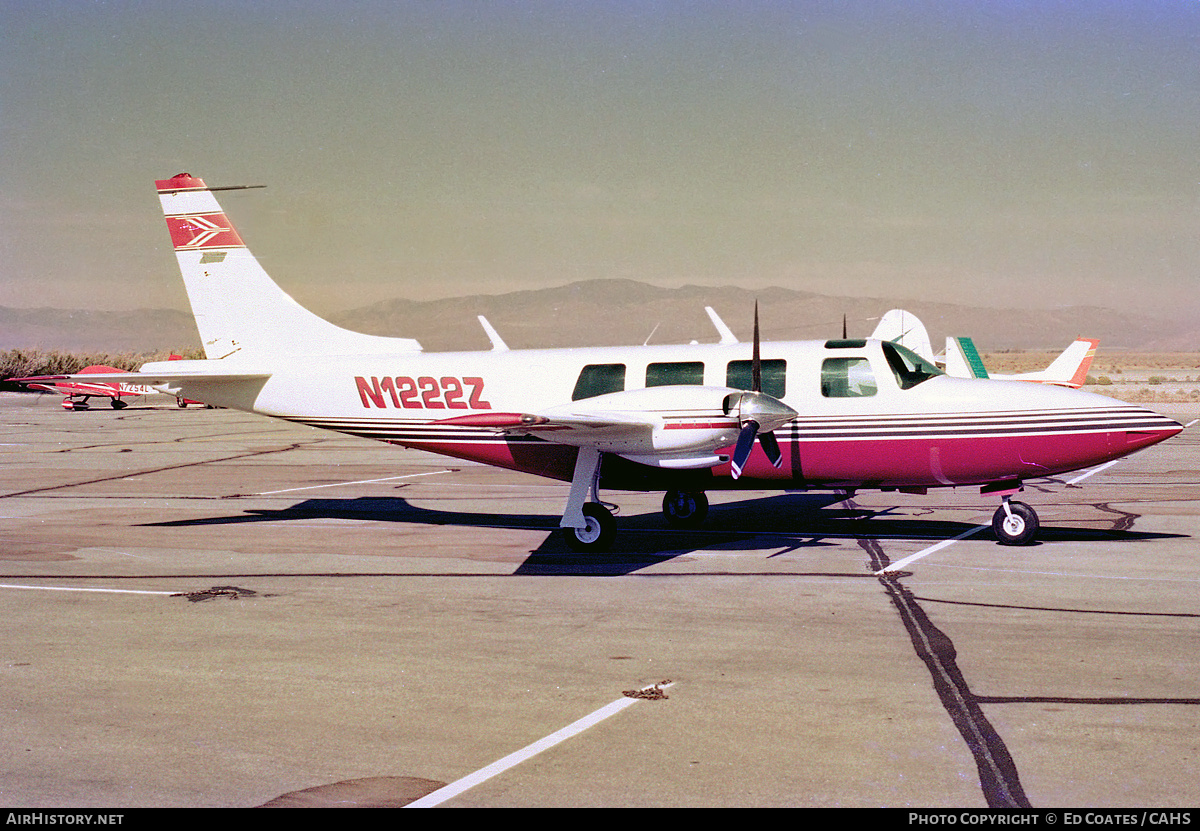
x: 909, y: 368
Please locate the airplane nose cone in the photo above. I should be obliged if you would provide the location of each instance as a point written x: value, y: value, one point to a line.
x: 767, y: 411
x: 1152, y: 428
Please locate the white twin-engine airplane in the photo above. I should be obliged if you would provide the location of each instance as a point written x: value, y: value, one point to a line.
x: 821, y: 415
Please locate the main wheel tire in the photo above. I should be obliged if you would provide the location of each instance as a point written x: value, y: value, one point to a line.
x: 684, y: 509
x: 1016, y: 526
x: 599, y: 533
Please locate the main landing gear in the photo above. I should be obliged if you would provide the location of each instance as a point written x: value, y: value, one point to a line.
x: 1015, y: 523
x: 587, y: 525
x: 685, y: 510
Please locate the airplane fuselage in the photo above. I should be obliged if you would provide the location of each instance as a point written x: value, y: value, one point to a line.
x: 840, y: 414
x: 858, y: 425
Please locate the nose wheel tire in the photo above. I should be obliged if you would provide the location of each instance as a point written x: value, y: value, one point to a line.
x: 599, y: 532
x: 1015, y: 523
x: 685, y: 510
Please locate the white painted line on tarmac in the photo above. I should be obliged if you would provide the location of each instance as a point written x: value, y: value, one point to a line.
x: 513, y: 759
x: 944, y: 543
x: 81, y: 589
x: 1093, y: 472
x: 359, y: 482
x: 924, y: 552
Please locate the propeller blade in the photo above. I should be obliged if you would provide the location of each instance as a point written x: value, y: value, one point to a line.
x: 755, y: 409
x: 770, y: 446
x: 756, y: 358
x: 741, y: 452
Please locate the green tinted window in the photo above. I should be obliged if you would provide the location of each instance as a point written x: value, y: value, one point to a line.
x: 909, y: 368
x: 774, y: 376
x: 684, y: 372
x: 598, y: 379
x: 847, y: 378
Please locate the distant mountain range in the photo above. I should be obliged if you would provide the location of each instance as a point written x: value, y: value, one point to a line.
x: 615, y: 312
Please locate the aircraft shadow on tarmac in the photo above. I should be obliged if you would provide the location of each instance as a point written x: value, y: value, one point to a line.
x: 775, y: 523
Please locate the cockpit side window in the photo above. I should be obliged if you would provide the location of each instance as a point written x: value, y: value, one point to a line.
x: 909, y: 368
x: 847, y: 378
x: 599, y: 379
x: 740, y: 375
x: 670, y: 374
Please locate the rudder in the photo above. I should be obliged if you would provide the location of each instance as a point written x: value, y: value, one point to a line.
x: 239, y: 309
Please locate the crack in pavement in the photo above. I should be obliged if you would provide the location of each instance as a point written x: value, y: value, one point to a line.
x: 125, y: 474
x: 998, y: 776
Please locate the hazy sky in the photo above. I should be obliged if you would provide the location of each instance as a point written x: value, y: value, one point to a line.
x: 1013, y: 153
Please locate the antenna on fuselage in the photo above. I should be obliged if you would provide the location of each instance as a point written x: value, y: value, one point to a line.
x: 498, y: 344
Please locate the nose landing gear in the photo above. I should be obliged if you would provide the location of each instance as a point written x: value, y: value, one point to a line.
x: 1015, y: 523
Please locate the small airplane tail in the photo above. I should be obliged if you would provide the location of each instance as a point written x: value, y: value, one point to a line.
x: 962, y: 359
x: 1070, y: 369
x: 904, y: 328
x: 239, y: 309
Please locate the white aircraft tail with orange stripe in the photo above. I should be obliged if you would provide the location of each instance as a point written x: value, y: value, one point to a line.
x: 1069, y: 369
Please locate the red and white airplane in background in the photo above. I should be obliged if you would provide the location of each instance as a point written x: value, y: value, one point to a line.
x: 79, y: 388
x: 834, y: 415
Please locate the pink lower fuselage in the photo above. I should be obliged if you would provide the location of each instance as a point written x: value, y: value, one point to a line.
x: 847, y: 456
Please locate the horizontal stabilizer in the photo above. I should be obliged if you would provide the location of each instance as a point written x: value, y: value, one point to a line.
x: 196, y: 380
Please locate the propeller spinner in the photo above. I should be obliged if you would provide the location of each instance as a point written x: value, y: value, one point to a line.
x: 757, y: 413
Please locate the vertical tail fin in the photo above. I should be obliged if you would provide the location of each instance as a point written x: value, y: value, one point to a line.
x: 962, y: 359
x: 239, y: 309
x: 906, y: 329
x: 1070, y: 369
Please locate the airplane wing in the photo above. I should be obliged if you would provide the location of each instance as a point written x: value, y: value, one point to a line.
x: 597, y: 422
x: 59, y: 385
x: 640, y: 437
x: 668, y: 426
x: 147, y: 378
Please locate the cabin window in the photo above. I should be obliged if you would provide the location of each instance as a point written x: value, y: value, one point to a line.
x: 599, y: 379
x: 774, y: 376
x: 684, y: 372
x: 909, y: 368
x: 847, y: 378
